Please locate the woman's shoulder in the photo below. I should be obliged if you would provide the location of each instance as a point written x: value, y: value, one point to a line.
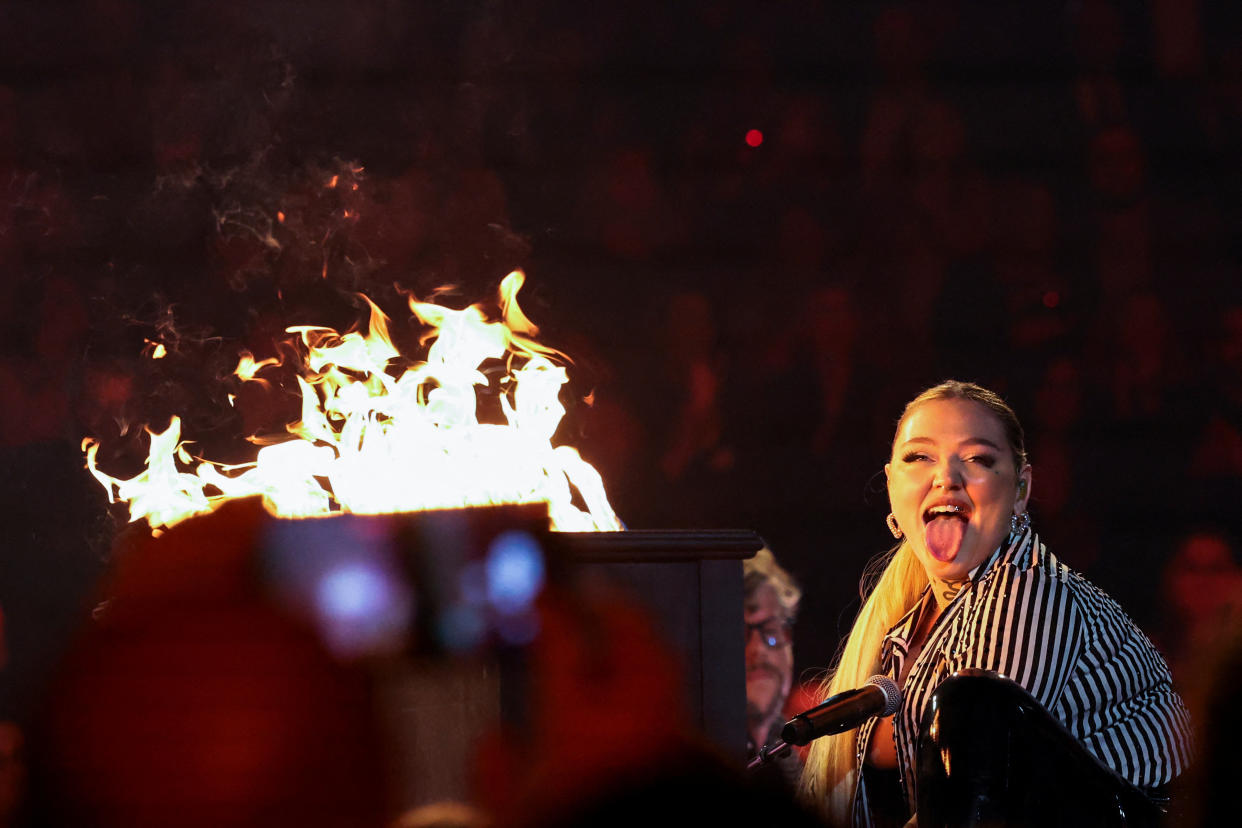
x: 1099, y: 611
x: 1028, y: 558
x: 1031, y: 571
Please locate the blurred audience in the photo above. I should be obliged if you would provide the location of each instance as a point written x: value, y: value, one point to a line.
x: 1146, y: 370
x: 192, y: 700
x: 1216, y: 459
x: 446, y: 814
x: 1123, y: 222
x: 1097, y: 39
x: 1205, y: 794
x: 1060, y: 438
x: 1043, y: 303
x: 832, y: 327
x: 606, y: 740
x: 622, y: 205
x: 607, y: 709
x: 12, y: 757
x: 12, y: 775
x: 887, y: 194
x: 694, y: 371
x: 1202, y: 602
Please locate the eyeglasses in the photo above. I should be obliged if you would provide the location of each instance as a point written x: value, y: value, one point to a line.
x: 773, y: 632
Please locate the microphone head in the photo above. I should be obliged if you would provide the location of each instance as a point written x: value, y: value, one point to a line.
x: 892, y: 693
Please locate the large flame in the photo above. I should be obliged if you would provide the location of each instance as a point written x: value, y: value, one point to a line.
x: 369, y: 442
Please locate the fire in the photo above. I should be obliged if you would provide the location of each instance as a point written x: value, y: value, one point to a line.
x: 373, y: 439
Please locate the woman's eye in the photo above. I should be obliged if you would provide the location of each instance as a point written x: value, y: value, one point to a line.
x: 914, y: 457
x: 985, y: 460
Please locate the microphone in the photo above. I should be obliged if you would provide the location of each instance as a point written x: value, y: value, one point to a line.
x: 879, y: 696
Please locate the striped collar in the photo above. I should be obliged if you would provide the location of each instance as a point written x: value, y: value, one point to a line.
x: 1016, y: 550
x: 897, y: 640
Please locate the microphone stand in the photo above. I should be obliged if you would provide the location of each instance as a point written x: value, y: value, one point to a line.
x: 770, y: 753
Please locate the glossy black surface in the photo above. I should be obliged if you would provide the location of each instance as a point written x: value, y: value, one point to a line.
x: 990, y: 755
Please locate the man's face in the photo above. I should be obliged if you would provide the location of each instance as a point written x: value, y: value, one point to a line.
x: 769, y: 655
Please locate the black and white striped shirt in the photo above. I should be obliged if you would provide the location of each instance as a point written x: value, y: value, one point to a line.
x: 1030, y: 618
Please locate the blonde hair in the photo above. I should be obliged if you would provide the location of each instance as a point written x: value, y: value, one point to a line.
x: 828, y: 777
x: 827, y: 782
x: 761, y: 569
x: 957, y: 390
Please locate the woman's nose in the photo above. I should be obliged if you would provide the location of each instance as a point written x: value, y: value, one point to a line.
x: 946, y: 476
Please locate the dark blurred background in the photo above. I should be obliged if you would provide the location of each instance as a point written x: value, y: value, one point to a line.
x: 758, y: 228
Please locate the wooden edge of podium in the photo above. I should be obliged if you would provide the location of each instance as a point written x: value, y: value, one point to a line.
x: 660, y: 545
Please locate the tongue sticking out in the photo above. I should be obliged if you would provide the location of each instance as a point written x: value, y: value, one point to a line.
x: 944, y: 537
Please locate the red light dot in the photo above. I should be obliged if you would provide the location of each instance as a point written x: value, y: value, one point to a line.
x: 1052, y: 299
x: 754, y: 137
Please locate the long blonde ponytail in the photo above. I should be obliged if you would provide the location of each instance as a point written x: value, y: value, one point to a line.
x: 827, y: 783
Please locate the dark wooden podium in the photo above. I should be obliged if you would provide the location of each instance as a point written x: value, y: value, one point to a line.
x: 690, y: 581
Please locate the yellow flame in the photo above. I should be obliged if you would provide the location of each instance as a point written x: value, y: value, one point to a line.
x: 373, y: 440
x: 247, y: 368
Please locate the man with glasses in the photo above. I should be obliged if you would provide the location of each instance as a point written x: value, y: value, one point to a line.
x: 771, y: 603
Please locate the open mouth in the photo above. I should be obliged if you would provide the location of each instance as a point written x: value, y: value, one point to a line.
x: 944, y: 527
x: 946, y: 510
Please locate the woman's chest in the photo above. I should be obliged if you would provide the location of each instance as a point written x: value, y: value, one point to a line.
x: 907, y: 660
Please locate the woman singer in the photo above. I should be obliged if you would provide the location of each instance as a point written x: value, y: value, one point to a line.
x: 971, y: 585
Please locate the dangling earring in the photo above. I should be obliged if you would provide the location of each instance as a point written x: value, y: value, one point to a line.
x: 892, y: 525
x: 1019, y: 523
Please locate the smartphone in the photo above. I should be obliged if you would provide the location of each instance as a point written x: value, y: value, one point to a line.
x: 453, y: 582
